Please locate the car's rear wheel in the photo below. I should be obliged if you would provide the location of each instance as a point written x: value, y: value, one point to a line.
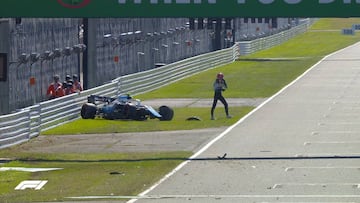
x: 88, y: 111
x: 166, y: 113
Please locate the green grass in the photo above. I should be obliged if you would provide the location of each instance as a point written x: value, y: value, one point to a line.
x: 250, y: 78
x: 335, y: 23
x: 245, y: 79
x: 86, y: 174
x: 179, y: 122
x: 89, y: 174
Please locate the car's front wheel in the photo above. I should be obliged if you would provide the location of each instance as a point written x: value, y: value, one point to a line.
x: 166, y: 113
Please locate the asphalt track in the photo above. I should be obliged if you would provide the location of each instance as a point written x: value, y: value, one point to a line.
x: 301, y: 145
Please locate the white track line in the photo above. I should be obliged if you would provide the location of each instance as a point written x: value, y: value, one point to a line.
x: 231, y: 127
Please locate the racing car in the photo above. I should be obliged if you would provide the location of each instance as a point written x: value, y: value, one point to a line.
x: 123, y: 107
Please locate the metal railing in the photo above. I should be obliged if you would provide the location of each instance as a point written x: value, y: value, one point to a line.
x: 249, y: 47
x: 152, y: 79
x: 29, y: 122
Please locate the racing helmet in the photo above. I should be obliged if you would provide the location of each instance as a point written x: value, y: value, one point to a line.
x: 220, y: 75
x: 56, y: 77
x: 124, y: 97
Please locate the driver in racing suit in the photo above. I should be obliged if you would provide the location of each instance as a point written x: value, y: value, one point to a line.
x: 219, y: 86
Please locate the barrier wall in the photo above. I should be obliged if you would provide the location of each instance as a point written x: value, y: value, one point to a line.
x: 249, y: 47
x: 29, y: 122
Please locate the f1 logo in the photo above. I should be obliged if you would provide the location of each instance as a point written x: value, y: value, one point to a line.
x: 31, y: 184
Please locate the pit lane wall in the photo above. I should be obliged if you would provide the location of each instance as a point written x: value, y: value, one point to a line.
x: 29, y: 122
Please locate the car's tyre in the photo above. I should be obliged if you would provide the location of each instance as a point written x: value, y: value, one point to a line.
x: 88, y: 111
x: 166, y: 113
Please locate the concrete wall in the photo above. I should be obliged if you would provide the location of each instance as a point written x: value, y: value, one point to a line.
x: 36, y: 36
x: 115, y: 47
x: 4, y: 50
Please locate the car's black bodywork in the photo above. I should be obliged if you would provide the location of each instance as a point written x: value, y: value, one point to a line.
x: 122, y: 107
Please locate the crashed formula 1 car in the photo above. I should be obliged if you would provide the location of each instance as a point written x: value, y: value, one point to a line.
x: 122, y: 107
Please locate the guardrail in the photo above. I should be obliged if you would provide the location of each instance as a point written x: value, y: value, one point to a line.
x: 15, y: 128
x: 29, y: 122
x: 152, y: 79
x: 249, y: 47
